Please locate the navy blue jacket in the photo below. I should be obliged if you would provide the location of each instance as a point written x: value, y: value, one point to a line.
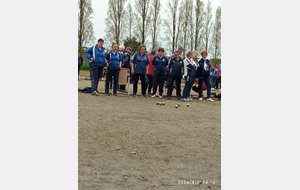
x: 175, y: 67
x: 126, y: 60
x: 140, y: 63
x: 159, y: 64
x: 200, y: 71
x: 114, y: 59
x: 98, y: 55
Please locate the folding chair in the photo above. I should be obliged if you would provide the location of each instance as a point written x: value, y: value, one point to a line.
x: 124, y: 78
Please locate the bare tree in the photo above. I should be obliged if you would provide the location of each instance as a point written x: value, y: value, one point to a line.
x: 85, y: 26
x: 156, y: 21
x: 129, y: 18
x: 115, y: 21
x: 207, y: 24
x: 216, y: 38
x: 191, y: 23
x: 172, y: 10
x: 142, y: 19
x: 185, y: 11
x: 199, y: 10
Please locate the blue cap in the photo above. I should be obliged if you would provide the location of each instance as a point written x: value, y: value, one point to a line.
x: 129, y: 48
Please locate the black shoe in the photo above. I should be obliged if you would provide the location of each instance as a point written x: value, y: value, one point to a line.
x: 178, y: 98
x: 106, y: 93
x: 168, y: 97
x: 115, y: 94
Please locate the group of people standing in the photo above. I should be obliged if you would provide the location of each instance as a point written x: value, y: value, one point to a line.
x: 152, y: 70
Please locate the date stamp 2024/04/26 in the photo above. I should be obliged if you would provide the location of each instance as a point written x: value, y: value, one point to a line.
x: 195, y: 182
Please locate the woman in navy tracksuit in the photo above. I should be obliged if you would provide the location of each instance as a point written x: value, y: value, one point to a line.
x: 114, y: 59
x: 203, y: 75
x: 175, y: 67
x: 159, y: 62
x: 139, y: 64
x: 191, y: 67
x: 96, y: 55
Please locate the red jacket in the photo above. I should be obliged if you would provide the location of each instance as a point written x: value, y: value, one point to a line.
x: 151, y: 68
x: 218, y: 69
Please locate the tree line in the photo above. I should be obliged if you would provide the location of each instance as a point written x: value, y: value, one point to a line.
x: 189, y: 23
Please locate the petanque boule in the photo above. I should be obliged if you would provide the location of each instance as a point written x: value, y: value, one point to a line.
x: 163, y: 103
x: 188, y: 105
x: 176, y: 106
x: 157, y: 103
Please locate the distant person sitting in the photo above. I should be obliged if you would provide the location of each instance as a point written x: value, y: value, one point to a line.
x: 213, y: 76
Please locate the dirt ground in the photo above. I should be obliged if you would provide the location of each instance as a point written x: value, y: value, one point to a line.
x: 132, y: 143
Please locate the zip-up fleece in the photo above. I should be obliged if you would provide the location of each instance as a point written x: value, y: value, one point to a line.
x: 98, y: 55
x: 140, y: 63
x: 200, y: 71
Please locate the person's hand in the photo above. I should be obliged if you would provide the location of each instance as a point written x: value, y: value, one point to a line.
x: 132, y: 71
x: 92, y: 59
x: 120, y: 68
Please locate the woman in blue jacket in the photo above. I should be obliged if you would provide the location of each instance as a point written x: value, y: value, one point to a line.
x: 114, y: 59
x: 191, y: 68
x: 159, y: 62
x: 96, y: 55
x: 139, y: 64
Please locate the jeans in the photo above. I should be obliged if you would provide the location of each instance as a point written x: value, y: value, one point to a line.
x: 136, y: 78
x: 178, y: 85
x: 96, y: 75
x: 213, y: 80
x: 158, y: 80
x: 188, y: 86
x: 112, y: 72
x: 207, y: 83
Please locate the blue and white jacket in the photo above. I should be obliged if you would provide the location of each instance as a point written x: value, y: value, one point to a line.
x: 140, y: 63
x: 213, y: 72
x: 97, y: 54
x: 114, y: 59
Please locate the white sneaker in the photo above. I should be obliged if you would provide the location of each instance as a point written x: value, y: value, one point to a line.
x: 153, y: 96
x: 95, y: 93
x: 200, y: 99
x: 209, y: 99
x: 212, y: 89
x: 159, y: 96
x: 220, y: 90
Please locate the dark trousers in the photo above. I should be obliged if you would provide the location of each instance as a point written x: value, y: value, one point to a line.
x: 136, y: 78
x: 206, y: 79
x: 189, y: 81
x: 158, y: 80
x: 149, y: 84
x: 178, y: 86
x: 79, y: 67
x: 218, y: 80
x: 112, y: 73
x: 96, y: 75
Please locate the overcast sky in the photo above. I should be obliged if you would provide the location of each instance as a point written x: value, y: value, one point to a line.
x: 100, y: 9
